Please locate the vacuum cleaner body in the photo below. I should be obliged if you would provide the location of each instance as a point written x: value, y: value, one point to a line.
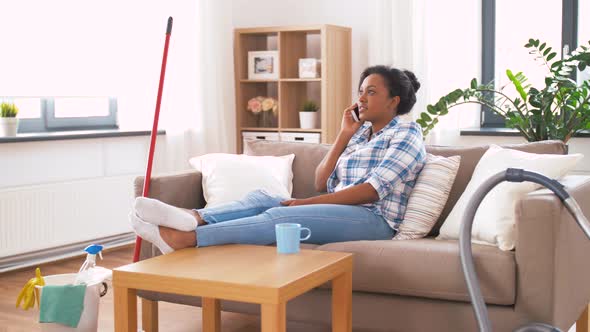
x: 510, y: 175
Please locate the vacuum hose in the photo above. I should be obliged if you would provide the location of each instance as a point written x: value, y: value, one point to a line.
x: 510, y: 175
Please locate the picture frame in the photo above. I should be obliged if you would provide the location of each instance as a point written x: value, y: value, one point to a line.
x: 309, y: 68
x: 263, y: 65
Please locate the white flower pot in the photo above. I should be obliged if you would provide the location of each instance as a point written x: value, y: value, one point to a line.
x: 309, y: 120
x: 8, y: 127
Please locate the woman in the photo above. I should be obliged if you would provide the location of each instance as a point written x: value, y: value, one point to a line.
x: 368, y: 173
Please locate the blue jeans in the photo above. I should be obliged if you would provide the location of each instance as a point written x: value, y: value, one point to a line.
x: 252, y: 220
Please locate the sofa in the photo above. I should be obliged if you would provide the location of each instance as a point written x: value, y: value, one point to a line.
x: 418, y: 285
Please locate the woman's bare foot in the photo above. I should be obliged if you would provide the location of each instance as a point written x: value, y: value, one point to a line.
x: 178, y: 239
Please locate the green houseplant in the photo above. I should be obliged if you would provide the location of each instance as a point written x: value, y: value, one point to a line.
x: 8, y: 120
x: 557, y: 111
x: 308, y: 115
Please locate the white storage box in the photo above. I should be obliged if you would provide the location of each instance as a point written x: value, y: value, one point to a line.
x: 301, y: 137
x: 262, y: 135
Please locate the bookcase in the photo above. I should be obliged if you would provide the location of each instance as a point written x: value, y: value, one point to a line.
x: 331, y: 91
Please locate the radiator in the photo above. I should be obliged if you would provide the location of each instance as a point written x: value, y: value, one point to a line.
x: 48, y: 216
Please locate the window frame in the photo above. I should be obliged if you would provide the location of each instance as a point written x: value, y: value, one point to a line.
x: 78, y: 123
x: 569, y: 36
x: 48, y: 122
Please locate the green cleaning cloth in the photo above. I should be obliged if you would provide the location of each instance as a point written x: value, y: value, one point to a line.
x: 62, y: 304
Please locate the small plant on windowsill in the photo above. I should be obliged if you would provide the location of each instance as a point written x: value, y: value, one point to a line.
x: 558, y: 111
x: 309, y: 115
x: 8, y: 120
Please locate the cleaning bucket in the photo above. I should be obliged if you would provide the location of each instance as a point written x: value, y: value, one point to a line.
x: 89, y: 319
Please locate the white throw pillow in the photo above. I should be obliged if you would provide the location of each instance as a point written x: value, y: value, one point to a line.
x: 229, y: 177
x: 429, y: 196
x: 494, y: 222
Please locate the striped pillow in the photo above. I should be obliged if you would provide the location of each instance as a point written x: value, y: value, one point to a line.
x: 429, y: 196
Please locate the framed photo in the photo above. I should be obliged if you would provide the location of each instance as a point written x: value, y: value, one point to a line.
x: 309, y: 68
x: 263, y: 65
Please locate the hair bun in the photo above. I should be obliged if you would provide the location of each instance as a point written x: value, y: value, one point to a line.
x: 413, y: 79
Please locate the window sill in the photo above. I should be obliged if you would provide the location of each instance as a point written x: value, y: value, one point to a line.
x: 503, y: 132
x: 78, y: 134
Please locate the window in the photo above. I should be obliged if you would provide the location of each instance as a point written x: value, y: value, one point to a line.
x: 583, y: 34
x: 40, y: 114
x: 508, y: 25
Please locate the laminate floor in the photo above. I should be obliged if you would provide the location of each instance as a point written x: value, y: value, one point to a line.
x: 172, y: 317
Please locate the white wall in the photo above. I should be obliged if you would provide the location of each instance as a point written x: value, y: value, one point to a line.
x: 55, y: 193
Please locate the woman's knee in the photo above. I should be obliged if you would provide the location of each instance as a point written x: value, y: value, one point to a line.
x: 276, y: 212
x: 263, y: 198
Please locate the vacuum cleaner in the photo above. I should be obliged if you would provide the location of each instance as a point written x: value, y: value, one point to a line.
x: 510, y: 175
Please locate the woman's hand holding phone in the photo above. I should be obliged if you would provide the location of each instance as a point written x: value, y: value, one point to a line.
x: 349, y: 124
x: 356, y: 115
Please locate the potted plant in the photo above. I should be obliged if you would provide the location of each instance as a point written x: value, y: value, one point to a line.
x: 309, y: 115
x: 8, y: 120
x: 557, y: 111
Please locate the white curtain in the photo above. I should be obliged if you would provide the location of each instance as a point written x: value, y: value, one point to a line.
x: 398, y: 40
x: 201, y: 117
x: 440, y: 41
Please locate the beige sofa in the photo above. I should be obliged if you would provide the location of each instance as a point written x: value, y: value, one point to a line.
x: 418, y: 285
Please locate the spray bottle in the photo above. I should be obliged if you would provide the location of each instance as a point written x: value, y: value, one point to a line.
x: 89, y: 272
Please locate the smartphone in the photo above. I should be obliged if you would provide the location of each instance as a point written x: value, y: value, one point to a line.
x: 355, y: 114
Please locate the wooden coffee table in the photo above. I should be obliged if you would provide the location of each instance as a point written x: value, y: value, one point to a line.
x: 245, y: 273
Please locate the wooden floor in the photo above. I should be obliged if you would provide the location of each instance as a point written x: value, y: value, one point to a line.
x: 173, y: 317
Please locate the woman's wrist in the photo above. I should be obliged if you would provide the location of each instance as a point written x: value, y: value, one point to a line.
x: 308, y: 201
x: 344, y: 136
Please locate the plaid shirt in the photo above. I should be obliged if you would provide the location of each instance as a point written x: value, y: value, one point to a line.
x: 391, y: 161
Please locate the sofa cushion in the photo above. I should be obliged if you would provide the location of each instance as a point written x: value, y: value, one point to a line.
x: 469, y: 158
x: 224, y: 180
x: 308, y: 156
x: 495, y: 221
x: 428, y: 268
x: 429, y: 196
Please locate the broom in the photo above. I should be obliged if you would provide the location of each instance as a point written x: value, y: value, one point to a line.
x: 148, y: 171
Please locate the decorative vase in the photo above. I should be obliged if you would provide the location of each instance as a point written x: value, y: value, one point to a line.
x: 8, y: 127
x: 309, y: 120
x: 266, y: 119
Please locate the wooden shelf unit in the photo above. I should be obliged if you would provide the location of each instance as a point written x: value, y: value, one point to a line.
x: 332, y: 91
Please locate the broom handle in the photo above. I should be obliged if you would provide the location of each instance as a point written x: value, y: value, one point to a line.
x: 148, y: 171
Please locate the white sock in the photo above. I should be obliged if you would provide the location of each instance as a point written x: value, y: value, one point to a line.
x: 158, y: 213
x: 149, y: 232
